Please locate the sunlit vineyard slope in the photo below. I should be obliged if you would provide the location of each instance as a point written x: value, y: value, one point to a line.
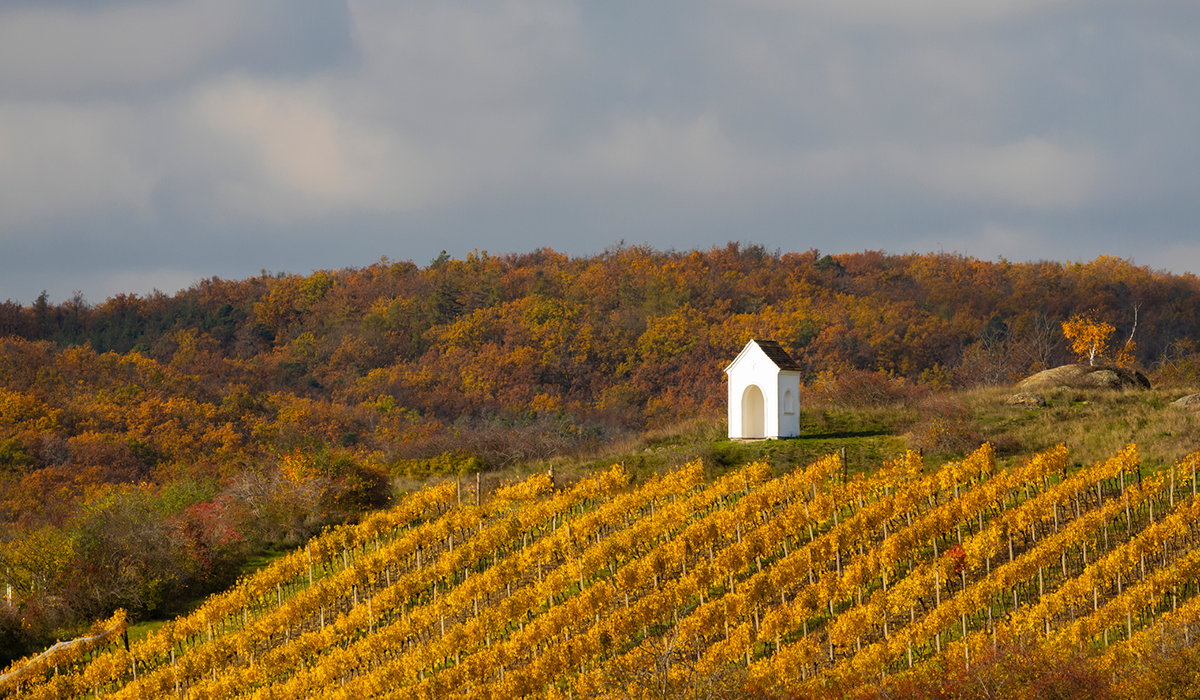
x: 683, y: 586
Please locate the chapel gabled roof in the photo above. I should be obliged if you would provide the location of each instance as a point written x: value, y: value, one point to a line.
x: 774, y: 352
x: 778, y: 355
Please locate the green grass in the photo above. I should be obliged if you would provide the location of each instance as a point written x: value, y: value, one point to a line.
x: 868, y: 437
x: 143, y: 628
x: 140, y: 630
x: 1093, y: 423
x: 260, y: 561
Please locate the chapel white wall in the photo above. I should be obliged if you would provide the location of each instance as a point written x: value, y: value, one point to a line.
x: 753, y: 366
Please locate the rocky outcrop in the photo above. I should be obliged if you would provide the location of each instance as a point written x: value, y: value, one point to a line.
x: 1026, y: 398
x: 1190, y: 402
x: 1085, y: 377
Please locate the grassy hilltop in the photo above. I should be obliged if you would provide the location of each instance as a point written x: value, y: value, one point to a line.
x: 1094, y: 423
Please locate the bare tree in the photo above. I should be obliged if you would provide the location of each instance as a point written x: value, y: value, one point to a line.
x: 668, y: 667
x: 1036, y: 344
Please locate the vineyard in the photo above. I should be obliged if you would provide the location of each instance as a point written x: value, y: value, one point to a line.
x: 682, y: 587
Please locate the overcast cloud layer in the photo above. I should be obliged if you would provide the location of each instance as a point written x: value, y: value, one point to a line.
x: 151, y: 144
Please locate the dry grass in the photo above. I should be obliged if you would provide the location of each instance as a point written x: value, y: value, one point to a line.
x: 1094, y: 423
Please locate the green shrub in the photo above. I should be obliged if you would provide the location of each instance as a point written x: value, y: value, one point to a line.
x: 446, y: 464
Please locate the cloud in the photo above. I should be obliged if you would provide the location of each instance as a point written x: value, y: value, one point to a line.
x: 460, y: 54
x: 702, y: 159
x: 443, y: 107
x: 1030, y: 173
x: 913, y: 14
x: 280, y: 152
x: 309, y: 133
x: 121, y: 47
x: 484, y: 88
x: 694, y: 156
x: 49, y: 51
x: 68, y: 163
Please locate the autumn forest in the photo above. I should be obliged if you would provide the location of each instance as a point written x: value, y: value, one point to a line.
x: 149, y: 445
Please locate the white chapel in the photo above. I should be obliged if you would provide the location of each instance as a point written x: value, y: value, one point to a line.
x: 764, y: 392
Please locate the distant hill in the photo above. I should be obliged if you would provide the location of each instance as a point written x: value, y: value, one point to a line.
x: 631, y: 336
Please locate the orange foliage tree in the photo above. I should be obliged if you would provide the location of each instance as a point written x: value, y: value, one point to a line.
x: 1092, y: 339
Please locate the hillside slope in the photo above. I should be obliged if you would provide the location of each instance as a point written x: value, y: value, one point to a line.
x: 752, y: 581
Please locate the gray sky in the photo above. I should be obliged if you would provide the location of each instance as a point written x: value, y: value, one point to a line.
x: 150, y: 144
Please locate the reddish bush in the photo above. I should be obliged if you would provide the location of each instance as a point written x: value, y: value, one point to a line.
x: 106, y: 459
x: 862, y: 389
x: 943, y: 426
x: 1013, y: 671
x: 956, y: 556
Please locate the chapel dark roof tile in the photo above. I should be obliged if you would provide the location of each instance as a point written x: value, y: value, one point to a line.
x: 778, y: 355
